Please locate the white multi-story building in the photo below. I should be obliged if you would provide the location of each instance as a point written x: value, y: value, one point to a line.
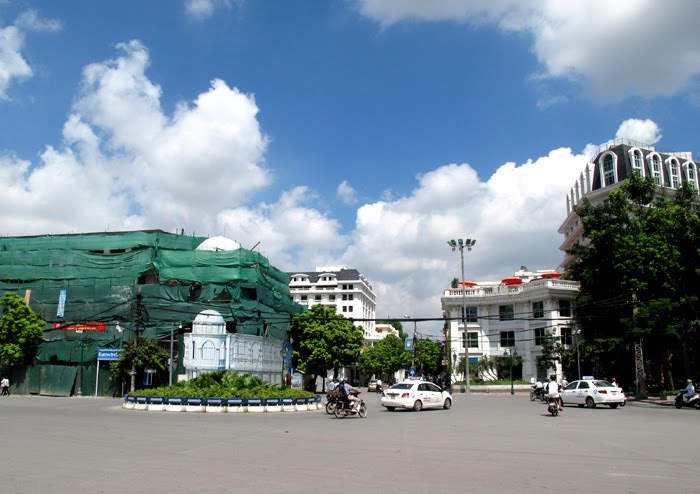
x: 380, y: 332
x: 511, y: 315
x: 339, y: 287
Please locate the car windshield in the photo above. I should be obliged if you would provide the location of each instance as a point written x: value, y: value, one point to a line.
x: 603, y: 384
x: 402, y: 386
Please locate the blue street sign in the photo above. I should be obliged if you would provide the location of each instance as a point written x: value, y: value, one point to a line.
x: 412, y: 371
x: 108, y: 353
x: 409, y: 344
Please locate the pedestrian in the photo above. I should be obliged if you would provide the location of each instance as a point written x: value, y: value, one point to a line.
x: 5, y: 385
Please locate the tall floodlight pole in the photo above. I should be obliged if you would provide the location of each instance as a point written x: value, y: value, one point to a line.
x: 461, y: 245
x: 413, y: 356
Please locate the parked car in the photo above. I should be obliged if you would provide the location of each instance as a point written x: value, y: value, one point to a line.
x: 415, y: 395
x: 592, y: 392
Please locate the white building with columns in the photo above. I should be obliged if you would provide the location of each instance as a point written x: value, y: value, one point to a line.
x: 511, y: 315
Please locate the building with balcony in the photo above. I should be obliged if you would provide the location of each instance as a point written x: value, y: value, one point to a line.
x: 611, y: 165
x: 342, y: 288
x: 510, y: 315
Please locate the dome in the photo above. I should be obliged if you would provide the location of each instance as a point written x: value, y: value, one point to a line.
x: 219, y: 243
x: 209, y: 317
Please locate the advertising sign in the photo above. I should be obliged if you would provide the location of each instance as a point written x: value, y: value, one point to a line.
x: 86, y: 326
x: 61, y: 303
x: 409, y: 344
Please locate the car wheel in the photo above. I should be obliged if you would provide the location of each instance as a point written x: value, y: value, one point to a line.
x: 613, y: 405
x: 448, y: 404
x: 391, y: 409
x: 590, y: 402
x: 418, y: 406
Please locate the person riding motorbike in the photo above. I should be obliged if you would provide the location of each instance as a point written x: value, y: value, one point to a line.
x: 553, y: 390
x: 688, y: 391
x: 539, y: 389
x: 347, y: 394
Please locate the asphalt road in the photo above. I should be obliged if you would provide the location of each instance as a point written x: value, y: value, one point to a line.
x: 485, y: 443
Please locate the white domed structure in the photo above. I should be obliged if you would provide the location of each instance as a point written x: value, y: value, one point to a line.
x: 219, y: 243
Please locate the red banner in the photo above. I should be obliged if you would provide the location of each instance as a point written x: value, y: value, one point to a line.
x: 87, y: 326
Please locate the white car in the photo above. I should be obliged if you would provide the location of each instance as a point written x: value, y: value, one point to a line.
x: 592, y: 392
x: 415, y: 395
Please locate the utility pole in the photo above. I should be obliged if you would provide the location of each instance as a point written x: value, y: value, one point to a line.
x: 640, y: 374
x: 137, y: 329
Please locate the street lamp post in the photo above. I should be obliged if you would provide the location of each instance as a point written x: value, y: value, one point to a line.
x: 461, y: 244
x: 578, y: 355
x: 510, y: 353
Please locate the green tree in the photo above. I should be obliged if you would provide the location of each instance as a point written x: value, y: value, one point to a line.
x: 21, y: 331
x: 428, y: 356
x: 147, y: 354
x: 385, y: 358
x: 551, y: 353
x: 323, y: 340
x: 638, y: 274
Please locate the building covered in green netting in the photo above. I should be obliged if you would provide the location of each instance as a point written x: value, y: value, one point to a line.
x: 98, y: 290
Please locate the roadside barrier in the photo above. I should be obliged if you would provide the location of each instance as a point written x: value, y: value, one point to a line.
x: 221, y: 405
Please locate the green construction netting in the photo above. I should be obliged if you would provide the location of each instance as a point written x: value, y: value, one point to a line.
x: 102, y: 274
x: 103, y: 241
x: 61, y: 380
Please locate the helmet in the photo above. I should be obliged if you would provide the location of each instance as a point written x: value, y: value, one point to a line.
x: 690, y: 380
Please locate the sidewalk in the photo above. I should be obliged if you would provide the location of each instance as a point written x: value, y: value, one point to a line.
x: 650, y: 400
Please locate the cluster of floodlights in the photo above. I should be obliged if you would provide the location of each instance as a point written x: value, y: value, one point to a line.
x: 461, y: 244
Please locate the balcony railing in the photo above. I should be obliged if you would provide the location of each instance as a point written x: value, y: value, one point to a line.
x: 501, y: 290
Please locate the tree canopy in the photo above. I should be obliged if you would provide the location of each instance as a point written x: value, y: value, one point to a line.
x: 323, y: 340
x: 428, y: 357
x: 638, y: 274
x: 385, y: 357
x: 147, y: 354
x: 21, y: 331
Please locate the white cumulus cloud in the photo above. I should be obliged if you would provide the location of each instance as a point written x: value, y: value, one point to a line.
x: 635, y: 47
x: 346, y: 193
x: 13, y: 64
x: 643, y: 131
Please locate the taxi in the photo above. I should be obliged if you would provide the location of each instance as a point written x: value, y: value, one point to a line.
x: 415, y: 395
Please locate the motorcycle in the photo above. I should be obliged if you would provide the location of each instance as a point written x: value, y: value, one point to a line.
x: 553, y: 406
x: 341, y: 411
x: 693, y: 401
x: 537, y: 393
x: 331, y: 402
x: 379, y: 388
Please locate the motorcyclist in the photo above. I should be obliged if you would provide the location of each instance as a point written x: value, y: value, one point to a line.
x: 688, y: 391
x: 539, y: 388
x: 553, y: 390
x: 347, y: 393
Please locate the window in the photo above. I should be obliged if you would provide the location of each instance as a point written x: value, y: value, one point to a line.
x: 675, y: 175
x: 470, y: 314
x: 566, y: 336
x: 304, y: 298
x: 507, y: 338
x: 345, y: 308
x: 691, y: 173
x: 350, y: 297
x: 538, y: 310
x: 656, y: 170
x: 345, y: 296
x: 208, y: 351
x: 608, y: 170
x: 539, y: 336
x: 583, y: 385
x: 317, y: 298
x: 331, y: 297
x: 637, y: 163
x: 505, y: 313
x: 565, y: 308
x: 350, y: 308
x: 472, y: 339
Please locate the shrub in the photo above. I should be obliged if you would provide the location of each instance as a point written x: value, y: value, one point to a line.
x: 226, y: 384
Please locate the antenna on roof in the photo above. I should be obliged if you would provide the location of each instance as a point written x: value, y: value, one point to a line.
x: 253, y: 247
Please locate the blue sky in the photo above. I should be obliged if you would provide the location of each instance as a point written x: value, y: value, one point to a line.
x: 357, y: 132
